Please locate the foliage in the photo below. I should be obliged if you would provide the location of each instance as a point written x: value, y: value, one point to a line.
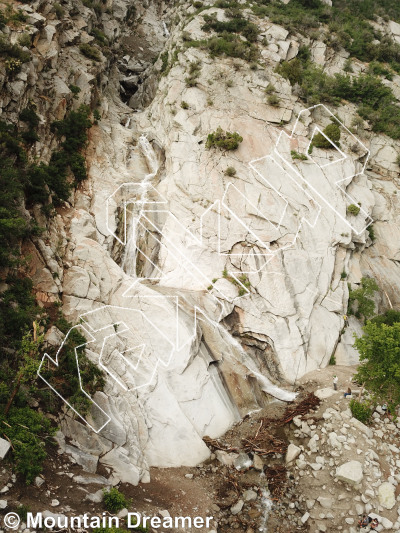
x: 371, y: 232
x: 332, y: 360
x: 389, y: 318
x: 26, y: 430
x: 235, y: 25
x: 65, y: 376
x: 363, y: 298
x: 379, y: 371
x: 348, y: 21
x: 361, y: 411
x: 99, y: 36
x: 22, y: 511
x: 90, y: 51
x: 353, y: 209
x: 194, y: 73
x: 75, y: 90
x: 29, y: 116
x: 164, y: 61
x: 58, y: 10
x: 376, y: 101
x: 184, y: 105
x: 230, y: 171
x: 297, y: 155
x: 331, y: 133
x: 114, y: 500
x: 224, y: 140
x: 226, y: 44
x: 13, y: 51
x: 25, y: 40
x: 273, y: 99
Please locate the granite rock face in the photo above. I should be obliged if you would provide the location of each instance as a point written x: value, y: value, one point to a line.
x: 241, y: 283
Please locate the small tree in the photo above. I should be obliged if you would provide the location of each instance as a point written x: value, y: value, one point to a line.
x: 30, y: 346
x: 379, y: 350
x: 365, y: 304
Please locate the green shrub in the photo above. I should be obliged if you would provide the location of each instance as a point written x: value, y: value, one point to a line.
x: 270, y: 89
x: 25, y: 40
x: 296, y: 155
x: 353, y: 209
x: 13, y: 51
x: 114, y: 500
x: 230, y: 171
x: 363, y: 298
x: 224, y: 140
x: 22, y: 511
x: 273, y: 99
x: 100, y: 36
x: 90, y: 52
x: 96, y: 116
x: 26, y: 430
x: 29, y: 116
x: 361, y: 411
x: 13, y: 66
x: 194, y: 73
x: 75, y: 90
x: 343, y: 275
x: 164, y: 61
x: 184, y: 105
x: 371, y: 232
x: 58, y: 10
x: 65, y: 379
x: 332, y: 132
x: 236, y: 25
x: 332, y: 360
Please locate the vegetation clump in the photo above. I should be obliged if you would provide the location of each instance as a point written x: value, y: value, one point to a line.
x: 224, y: 140
x: 90, y: 52
x: 379, y: 349
x: 353, y: 209
x: 297, y: 155
x: 361, y: 302
x: 114, y: 500
x: 230, y: 171
x: 361, y: 411
x: 331, y: 133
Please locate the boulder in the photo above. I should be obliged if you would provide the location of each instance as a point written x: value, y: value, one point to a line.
x: 292, y: 453
x: 96, y: 497
x: 249, y: 495
x: 386, y: 495
x: 86, y: 460
x: 4, y: 447
x: 351, y: 472
x: 91, y: 479
x: 325, y: 502
x: 226, y: 458
x: 237, y: 507
x: 119, y: 461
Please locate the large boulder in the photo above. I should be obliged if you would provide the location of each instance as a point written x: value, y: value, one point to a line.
x: 386, y: 495
x: 4, y: 447
x: 351, y: 472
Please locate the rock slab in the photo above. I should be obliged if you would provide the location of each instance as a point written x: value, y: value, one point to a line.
x: 351, y: 472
